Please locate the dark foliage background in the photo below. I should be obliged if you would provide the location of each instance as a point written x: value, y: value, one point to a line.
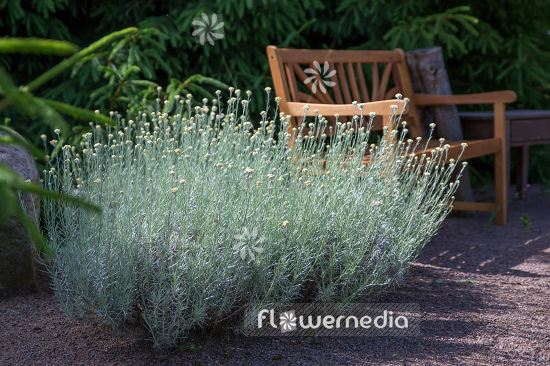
x: 488, y: 45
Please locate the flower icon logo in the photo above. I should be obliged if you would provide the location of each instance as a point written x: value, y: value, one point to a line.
x: 318, y: 77
x: 208, y: 28
x: 248, y: 243
x: 287, y: 321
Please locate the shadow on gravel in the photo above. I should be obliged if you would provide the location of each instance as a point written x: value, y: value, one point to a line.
x: 468, y: 245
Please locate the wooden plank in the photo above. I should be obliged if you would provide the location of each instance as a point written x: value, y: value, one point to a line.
x: 390, y: 94
x: 502, y: 96
x: 307, y: 98
x: 380, y: 108
x: 385, y: 80
x: 343, y: 83
x: 353, y: 82
x: 304, y: 56
x: 362, y: 82
x: 375, y: 82
x: 474, y: 149
x: 377, y: 125
x: 291, y: 77
x: 474, y: 206
x: 323, y: 97
x: 277, y: 73
x: 405, y: 82
x: 336, y: 88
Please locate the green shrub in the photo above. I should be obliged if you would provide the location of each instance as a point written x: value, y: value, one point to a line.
x: 488, y: 45
x: 202, y: 214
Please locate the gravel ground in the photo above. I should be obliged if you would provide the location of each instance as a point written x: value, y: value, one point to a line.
x: 483, y: 292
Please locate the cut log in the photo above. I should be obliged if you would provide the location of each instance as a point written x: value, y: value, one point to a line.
x: 429, y: 76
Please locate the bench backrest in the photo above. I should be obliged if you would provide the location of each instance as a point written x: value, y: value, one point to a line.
x: 340, y: 77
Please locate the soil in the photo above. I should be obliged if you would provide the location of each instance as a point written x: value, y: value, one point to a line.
x: 483, y: 291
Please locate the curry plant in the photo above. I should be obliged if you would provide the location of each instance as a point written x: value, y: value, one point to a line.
x: 202, y: 213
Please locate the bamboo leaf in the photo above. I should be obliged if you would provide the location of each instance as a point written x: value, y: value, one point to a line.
x: 12, y: 180
x: 22, y: 100
x: 34, y: 233
x: 37, y: 46
x: 79, y: 113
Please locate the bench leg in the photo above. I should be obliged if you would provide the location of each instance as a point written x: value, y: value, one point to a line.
x: 501, y: 164
x: 522, y: 163
x: 500, y: 188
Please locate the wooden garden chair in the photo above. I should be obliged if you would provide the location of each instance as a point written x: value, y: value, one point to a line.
x: 299, y: 78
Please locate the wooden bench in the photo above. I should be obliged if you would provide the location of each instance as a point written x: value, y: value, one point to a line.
x: 300, y: 78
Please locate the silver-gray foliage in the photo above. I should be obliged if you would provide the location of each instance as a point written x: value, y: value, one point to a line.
x: 203, y: 214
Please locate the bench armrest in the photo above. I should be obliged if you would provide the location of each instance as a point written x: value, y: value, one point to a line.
x: 502, y: 96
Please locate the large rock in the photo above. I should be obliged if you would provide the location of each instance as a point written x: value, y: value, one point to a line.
x: 17, y: 256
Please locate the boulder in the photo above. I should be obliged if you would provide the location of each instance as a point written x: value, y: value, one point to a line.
x: 17, y: 254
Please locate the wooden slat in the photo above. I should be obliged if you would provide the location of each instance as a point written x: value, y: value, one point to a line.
x: 362, y: 82
x: 278, y: 74
x: 380, y: 108
x: 474, y: 206
x: 304, y: 56
x: 480, y: 147
x: 321, y: 84
x: 375, y: 82
x: 377, y: 125
x: 352, y: 82
x: 336, y: 88
x: 385, y: 80
x: 502, y: 96
x: 390, y: 94
x: 307, y: 98
x: 396, y: 79
x: 405, y: 83
x: 344, y: 83
x: 291, y: 77
x: 323, y: 97
x: 474, y: 149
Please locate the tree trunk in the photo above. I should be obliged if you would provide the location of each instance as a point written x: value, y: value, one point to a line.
x: 429, y: 76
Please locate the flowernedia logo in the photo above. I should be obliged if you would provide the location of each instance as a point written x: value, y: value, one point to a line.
x: 208, y: 28
x: 318, y: 76
x: 332, y: 320
x: 248, y: 243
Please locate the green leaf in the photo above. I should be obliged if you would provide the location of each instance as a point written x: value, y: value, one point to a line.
x: 110, y: 71
x: 295, y: 33
x: 14, y: 138
x: 65, y: 64
x: 10, y: 179
x: 21, y: 99
x: 198, y: 90
x: 79, y: 113
x: 142, y: 83
x: 117, y: 48
x: 34, y: 233
x: 37, y: 46
x: 131, y: 70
